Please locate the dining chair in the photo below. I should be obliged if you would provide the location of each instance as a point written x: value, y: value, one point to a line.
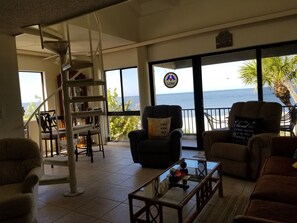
x: 49, y: 130
x: 88, y: 134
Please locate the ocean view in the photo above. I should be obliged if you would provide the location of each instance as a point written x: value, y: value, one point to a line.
x: 212, y: 99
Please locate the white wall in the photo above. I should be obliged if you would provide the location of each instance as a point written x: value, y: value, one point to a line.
x: 11, y: 121
x: 275, y: 31
x: 191, y: 15
x: 120, y: 59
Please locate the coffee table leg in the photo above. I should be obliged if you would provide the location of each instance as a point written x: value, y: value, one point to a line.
x: 180, y: 215
x: 161, y: 213
x: 221, y: 181
x: 131, y: 209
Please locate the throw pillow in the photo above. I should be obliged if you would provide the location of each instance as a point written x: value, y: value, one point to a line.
x: 158, y: 127
x: 244, y: 129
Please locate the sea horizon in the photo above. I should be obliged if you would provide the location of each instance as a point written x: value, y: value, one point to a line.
x: 211, y: 99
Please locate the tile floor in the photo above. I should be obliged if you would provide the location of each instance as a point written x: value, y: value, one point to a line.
x: 106, y: 183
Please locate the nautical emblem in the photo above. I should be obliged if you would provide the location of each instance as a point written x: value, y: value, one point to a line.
x: 170, y: 80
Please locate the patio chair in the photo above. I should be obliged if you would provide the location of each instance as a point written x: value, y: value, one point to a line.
x: 215, y: 123
x: 244, y: 146
x: 288, y: 120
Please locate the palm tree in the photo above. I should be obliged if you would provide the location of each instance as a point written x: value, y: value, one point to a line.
x: 279, y: 73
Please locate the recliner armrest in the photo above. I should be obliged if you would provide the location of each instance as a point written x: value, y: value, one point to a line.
x: 175, y: 133
x: 259, y: 147
x: 263, y: 139
x: 138, y: 134
x: 213, y: 136
x: 31, y: 180
x: 135, y: 137
x: 218, y: 135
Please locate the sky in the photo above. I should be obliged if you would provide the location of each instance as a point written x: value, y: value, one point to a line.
x: 222, y: 76
x: 31, y: 85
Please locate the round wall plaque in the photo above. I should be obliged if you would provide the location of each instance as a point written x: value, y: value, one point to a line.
x: 170, y: 80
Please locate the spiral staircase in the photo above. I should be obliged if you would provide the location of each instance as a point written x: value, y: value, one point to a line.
x: 97, y: 97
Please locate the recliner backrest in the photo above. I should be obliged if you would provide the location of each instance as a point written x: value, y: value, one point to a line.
x: 17, y: 157
x: 269, y: 112
x: 163, y: 111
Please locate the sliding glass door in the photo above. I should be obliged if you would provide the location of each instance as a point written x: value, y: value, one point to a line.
x: 173, y: 85
x: 226, y: 80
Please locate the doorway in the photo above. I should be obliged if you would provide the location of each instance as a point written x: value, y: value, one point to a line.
x: 173, y: 85
x: 225, y: 80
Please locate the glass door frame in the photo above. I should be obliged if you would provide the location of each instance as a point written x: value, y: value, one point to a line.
x: 196, y: 100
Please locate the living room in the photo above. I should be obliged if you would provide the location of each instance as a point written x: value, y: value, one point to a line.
x: 152, y: 32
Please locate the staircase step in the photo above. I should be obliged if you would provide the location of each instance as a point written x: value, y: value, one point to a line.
x: 84, y: 82
x: 56, y: 161
x: 84, y: 114
x: 77, y: 65
x: 48, y: 179
x: 87, y: 99
x: 59, y: 47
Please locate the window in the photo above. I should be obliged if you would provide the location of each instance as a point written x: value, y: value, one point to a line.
x: 122, y: 85
x: 32, y: 94
x: 123, y: 102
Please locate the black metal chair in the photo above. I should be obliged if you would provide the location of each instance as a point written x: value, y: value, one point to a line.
x: 288, y: 120
x: 95, y: 131
x: 49, y: 130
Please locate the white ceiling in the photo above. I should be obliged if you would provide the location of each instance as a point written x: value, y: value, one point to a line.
x: 31, y: 44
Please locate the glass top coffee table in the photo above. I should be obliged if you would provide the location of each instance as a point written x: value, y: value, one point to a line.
x: 189, y: 182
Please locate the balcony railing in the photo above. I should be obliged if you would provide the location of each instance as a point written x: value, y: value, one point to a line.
x: 217, y: 118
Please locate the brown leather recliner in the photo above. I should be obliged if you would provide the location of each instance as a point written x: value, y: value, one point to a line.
x: 244, y: 159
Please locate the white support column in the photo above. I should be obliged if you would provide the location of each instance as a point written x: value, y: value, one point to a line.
x: 143, y: 78
x: 11, y: 111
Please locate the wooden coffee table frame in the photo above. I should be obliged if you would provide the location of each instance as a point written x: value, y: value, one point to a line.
x: 203, y: 192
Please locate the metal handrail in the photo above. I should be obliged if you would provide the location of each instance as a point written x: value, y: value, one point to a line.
x: 217, y: 118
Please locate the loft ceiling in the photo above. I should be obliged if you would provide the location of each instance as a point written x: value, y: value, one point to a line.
x: 18, y: 14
